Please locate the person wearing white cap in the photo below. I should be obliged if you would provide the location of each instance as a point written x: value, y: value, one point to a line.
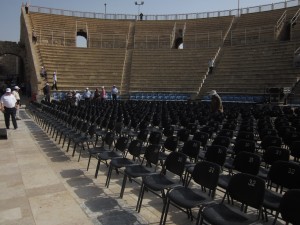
x: 15, y: 92
x: 216, y: 105
x: 8, y: 106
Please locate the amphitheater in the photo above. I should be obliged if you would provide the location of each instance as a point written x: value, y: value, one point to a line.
x: 160, y: 66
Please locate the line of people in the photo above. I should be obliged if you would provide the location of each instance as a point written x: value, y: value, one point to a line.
x: 74, y: 96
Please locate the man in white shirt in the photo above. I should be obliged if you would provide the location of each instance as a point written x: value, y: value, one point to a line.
x: 54, y: 86
x: 114, y: 92
x: 8, y: 106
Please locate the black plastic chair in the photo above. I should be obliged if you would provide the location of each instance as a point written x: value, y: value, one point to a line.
x: 240, y: 145
x: 202, y: 137
x: 170, y: 145
x: 289, y: 207
x: 160, y: 182
x: 244, y: 162
x: 134, y: 171
x: 269, y: 140
x: 245, y: 135
x: 271, y: 155
x: 295, y: 150
x: 215, y: 154
x: 245, y: 188
x: 282, y: 176
x: 222, y: 141
x: 206, y: 175
x: 134, y: 148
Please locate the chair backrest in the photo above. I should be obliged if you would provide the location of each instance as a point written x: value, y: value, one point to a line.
x: 122, y: 144
x: 216, y: 154
x: 222, y: 140
x: 168, y: 131
x: 208, y: 129
x: 244, y: 145
x: 295, y: 149
x: 152, y: 154
x: 119, y: 128
x: 226, y: 133
x: 267, y: 131
x: 285, y: 174
x: 206, y: 174
x: 290, y: 137
x: 175, y: 163
x: 289, y: 206
x: 171, y: 143
x: 273, y: 154
x: 92, y: 130
x: 245, y: 135
x: 247, y: 162
x: 202, y: 137
x: 143, y: 135
x: 247, y: 189
x: 269, y: 140
x: 191, y: 149
x: 183, y: 135
x: 192, y: 127
x: 155, y: 138
x: 135, y: 147
x: 109, y: 139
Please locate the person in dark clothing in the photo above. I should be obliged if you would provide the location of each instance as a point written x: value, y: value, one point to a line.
x: 26, y: 7
x: 216, y: 105
x: 46, y: 91
x: 141, y: 16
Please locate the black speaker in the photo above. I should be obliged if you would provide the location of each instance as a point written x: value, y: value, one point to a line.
x: 3, y: 133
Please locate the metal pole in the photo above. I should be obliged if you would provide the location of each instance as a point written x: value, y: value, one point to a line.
x: 105, y: 10
x: 238, y: 8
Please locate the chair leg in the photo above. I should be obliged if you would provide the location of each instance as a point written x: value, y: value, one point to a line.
x: 140, y: 199
x: 89, y: 162
x: 275, y: 219
x: 165, y: 211
x: 74, y: 149
x: 97, y: 168
x: 82, y: 148
x: 123, y: 185
x: 69, y: 143
x: 108, y: 175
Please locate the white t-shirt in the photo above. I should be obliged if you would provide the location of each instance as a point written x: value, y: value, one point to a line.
x: 8, y: 100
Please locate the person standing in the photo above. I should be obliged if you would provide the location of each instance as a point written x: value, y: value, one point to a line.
x: 87, y: 94
x: 54, y: 85
x: 114, y: 92
x: 44, y: 73
x: 18, y: 104
x: 46, y: 91
x: 216, y: 105
x: 211, y: 64
x: 103, y: 94
x: 8, y: 106
x: 26, y: 7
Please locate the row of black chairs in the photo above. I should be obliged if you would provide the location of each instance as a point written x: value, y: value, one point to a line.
x: 120, y: 160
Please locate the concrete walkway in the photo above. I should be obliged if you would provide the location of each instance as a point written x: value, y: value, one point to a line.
x: 42, y: 184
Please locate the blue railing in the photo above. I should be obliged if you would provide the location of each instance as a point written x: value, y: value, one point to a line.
x: 231, y: 12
